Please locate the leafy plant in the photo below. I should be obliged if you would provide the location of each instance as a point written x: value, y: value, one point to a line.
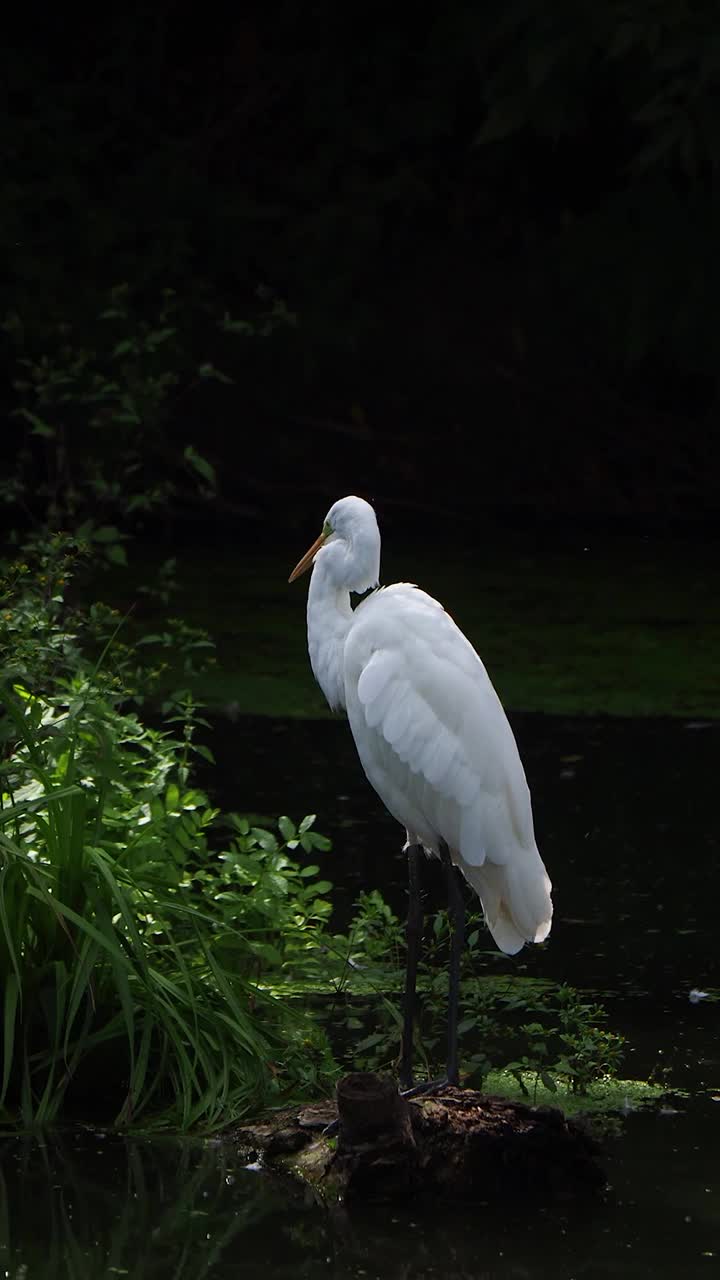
x: 122, y: 952
x: 105, y: 945
x: 48, y: 631
x: 535, y: 1030
x: 99, y: 452
x: 275, y: 903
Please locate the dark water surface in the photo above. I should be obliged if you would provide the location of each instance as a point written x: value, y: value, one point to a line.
x: 626, y: 820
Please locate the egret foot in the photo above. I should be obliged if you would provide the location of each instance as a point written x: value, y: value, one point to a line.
x: 430, y: 1086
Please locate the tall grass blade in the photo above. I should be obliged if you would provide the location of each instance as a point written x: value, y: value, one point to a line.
x: 10, y: 1008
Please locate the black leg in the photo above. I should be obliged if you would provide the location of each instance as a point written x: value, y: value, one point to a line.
x: 456, y: 911
x: 414, y: 936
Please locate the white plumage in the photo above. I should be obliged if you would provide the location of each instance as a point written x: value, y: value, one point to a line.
x: 429, y: 727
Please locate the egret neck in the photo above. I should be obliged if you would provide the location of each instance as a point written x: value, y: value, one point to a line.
x: 329, y: 618
x: 347, y: 560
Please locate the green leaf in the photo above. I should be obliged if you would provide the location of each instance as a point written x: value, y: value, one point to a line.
x: 312, y: 840
x: 201, y: 465
x: 287, y: 828
x: 106, y: 533
x: 158, y: 336
x: 39, y: 426
x: 267, y: 952
x: 377, y: 1037
x: 265, y: 839
x: 209, y: 371
x: 278, y: 883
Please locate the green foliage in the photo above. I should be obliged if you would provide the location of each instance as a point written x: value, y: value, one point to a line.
x: 129, y: 948
x: 603, y: 1096
x: 48, y: 634
x: 570, y: 1044
x: 538, y: 1032
x: 274, y: 902
x: 99, y: 450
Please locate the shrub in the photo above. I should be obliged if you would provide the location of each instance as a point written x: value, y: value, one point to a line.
x: 120, y: 949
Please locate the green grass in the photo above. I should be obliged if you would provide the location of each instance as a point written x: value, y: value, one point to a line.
x: 626, y: 629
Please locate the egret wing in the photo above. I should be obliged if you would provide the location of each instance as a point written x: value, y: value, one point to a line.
x: 435, y: 743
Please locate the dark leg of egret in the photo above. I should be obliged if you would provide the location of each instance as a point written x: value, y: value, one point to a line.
x: 414, y: 938
x: 456, y: 912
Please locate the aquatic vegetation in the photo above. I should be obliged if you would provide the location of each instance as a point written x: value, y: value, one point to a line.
x: 603, y: 1095
x: 536, y: 1032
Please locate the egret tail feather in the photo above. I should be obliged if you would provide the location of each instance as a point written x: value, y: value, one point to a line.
x: 515, y: 900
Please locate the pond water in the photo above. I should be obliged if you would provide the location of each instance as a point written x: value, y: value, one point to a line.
x: 626, y: 820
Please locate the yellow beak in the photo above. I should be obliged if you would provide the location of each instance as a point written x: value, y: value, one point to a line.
x: 308, y: 558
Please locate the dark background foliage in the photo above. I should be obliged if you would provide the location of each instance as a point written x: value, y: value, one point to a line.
x: 489, y: 232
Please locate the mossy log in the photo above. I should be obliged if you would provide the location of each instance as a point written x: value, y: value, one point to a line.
x: 456, y: 1143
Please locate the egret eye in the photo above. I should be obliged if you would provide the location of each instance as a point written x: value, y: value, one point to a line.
x: 326, y: 530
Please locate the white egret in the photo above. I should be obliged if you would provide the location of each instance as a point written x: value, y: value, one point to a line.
x: 433, y: 740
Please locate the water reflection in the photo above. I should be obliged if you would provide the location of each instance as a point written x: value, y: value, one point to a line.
x: 82, y: 1207
x: 94, y: 1205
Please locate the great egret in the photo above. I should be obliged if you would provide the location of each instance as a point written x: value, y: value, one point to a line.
x: 433, y: 740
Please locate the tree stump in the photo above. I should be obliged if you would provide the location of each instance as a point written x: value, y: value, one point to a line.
x: 376, y: 1149
x: 370, y: 1109
x: 456, y: 1143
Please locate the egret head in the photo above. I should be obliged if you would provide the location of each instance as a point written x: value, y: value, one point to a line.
x: 348, y: 547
